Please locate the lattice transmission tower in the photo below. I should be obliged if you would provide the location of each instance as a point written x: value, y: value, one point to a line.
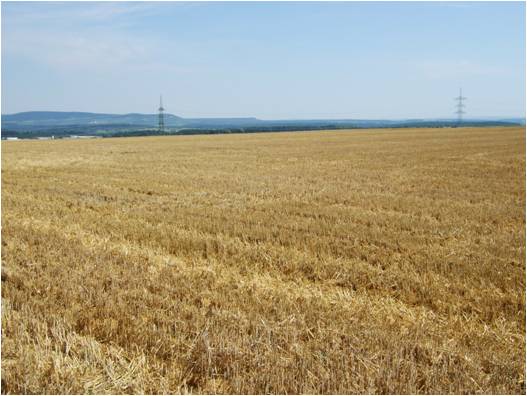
x: 161, y: 115
x: 460, y: 106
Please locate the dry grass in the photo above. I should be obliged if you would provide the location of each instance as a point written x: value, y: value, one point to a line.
x: 324, y: 262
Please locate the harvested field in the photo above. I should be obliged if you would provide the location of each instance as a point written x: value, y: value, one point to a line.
x: 374, y: 261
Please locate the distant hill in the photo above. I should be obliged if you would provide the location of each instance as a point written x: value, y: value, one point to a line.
x: 57, y: 118
x: 35, y: 120
x: 44, y: 123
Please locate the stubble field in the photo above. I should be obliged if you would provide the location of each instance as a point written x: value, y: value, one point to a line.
x: 376, y: 261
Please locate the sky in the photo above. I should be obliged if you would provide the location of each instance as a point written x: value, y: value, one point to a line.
x: 291, y: 60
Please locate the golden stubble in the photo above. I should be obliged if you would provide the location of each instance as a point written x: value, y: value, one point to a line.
x: 373, y: 261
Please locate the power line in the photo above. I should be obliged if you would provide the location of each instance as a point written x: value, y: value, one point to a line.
x: 161, y: 115
x: 460, y: 106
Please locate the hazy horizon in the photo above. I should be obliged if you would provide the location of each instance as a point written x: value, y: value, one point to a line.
x: 353, y: 60
x: 454, y: 117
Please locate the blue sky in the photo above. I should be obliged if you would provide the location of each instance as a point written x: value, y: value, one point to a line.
x: 268, y: 60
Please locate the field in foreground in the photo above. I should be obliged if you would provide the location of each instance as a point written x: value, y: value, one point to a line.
x: 324, y: 262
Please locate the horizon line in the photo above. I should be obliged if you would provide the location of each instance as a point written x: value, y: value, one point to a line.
x: 277, y: 119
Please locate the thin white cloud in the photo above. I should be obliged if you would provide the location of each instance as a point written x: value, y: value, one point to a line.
x: 93, y: 50
x: 31, y: 12
x: 447, y: 69
x: 104, y: 48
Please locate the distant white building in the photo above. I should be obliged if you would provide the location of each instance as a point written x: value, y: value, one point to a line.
x: 11, y: 138
x: 84, y: 137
